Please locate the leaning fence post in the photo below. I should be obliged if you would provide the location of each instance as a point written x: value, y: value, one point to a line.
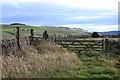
x: 17, y: 37
x: 105, y: 45
x: 31, y: 35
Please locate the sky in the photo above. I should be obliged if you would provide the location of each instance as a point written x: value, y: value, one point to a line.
x: 91, y: 15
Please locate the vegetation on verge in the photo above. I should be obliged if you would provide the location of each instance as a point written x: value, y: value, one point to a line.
x: 47, y: 60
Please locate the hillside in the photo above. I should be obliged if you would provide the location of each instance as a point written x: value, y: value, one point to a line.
x: 40, y: 29
x: 110, y: 33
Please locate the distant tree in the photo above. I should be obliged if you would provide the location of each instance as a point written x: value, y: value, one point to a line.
x: 95, y: 35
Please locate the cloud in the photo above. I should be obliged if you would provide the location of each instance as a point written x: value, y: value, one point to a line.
x: 91, y: 4
x: 53, y: 13
x: 60, y: 12
x: 92, y: 27
x: 87, y: 17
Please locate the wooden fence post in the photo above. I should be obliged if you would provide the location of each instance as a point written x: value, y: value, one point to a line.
x: 58, y: 36
x: 17, y: 37
x: 31, y: 35
x: 105, y: 45
x: 54, y: 37
x: 45, y: 35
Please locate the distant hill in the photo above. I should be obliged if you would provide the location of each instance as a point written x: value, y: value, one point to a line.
x: 110, y: 33
x: 20, y: 24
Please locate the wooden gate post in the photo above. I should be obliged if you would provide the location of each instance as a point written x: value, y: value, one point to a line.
x: 17, y: 37
x: 105, y: 45
x: 31, y: 35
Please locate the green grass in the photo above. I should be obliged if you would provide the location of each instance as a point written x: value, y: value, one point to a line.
x: 40, y: 29
x: 98, y: 67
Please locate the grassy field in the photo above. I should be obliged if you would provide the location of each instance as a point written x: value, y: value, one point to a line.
x: 38, y: 30
x: 47, y: 60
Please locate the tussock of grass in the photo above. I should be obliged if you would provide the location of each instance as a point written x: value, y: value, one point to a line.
x: 35, y: 63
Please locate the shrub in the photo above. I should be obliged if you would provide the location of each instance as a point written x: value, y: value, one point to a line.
x: 95, y: 35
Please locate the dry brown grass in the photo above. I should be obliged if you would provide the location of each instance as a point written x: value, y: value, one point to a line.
x: 6, y: 36
x: 39, y: 61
